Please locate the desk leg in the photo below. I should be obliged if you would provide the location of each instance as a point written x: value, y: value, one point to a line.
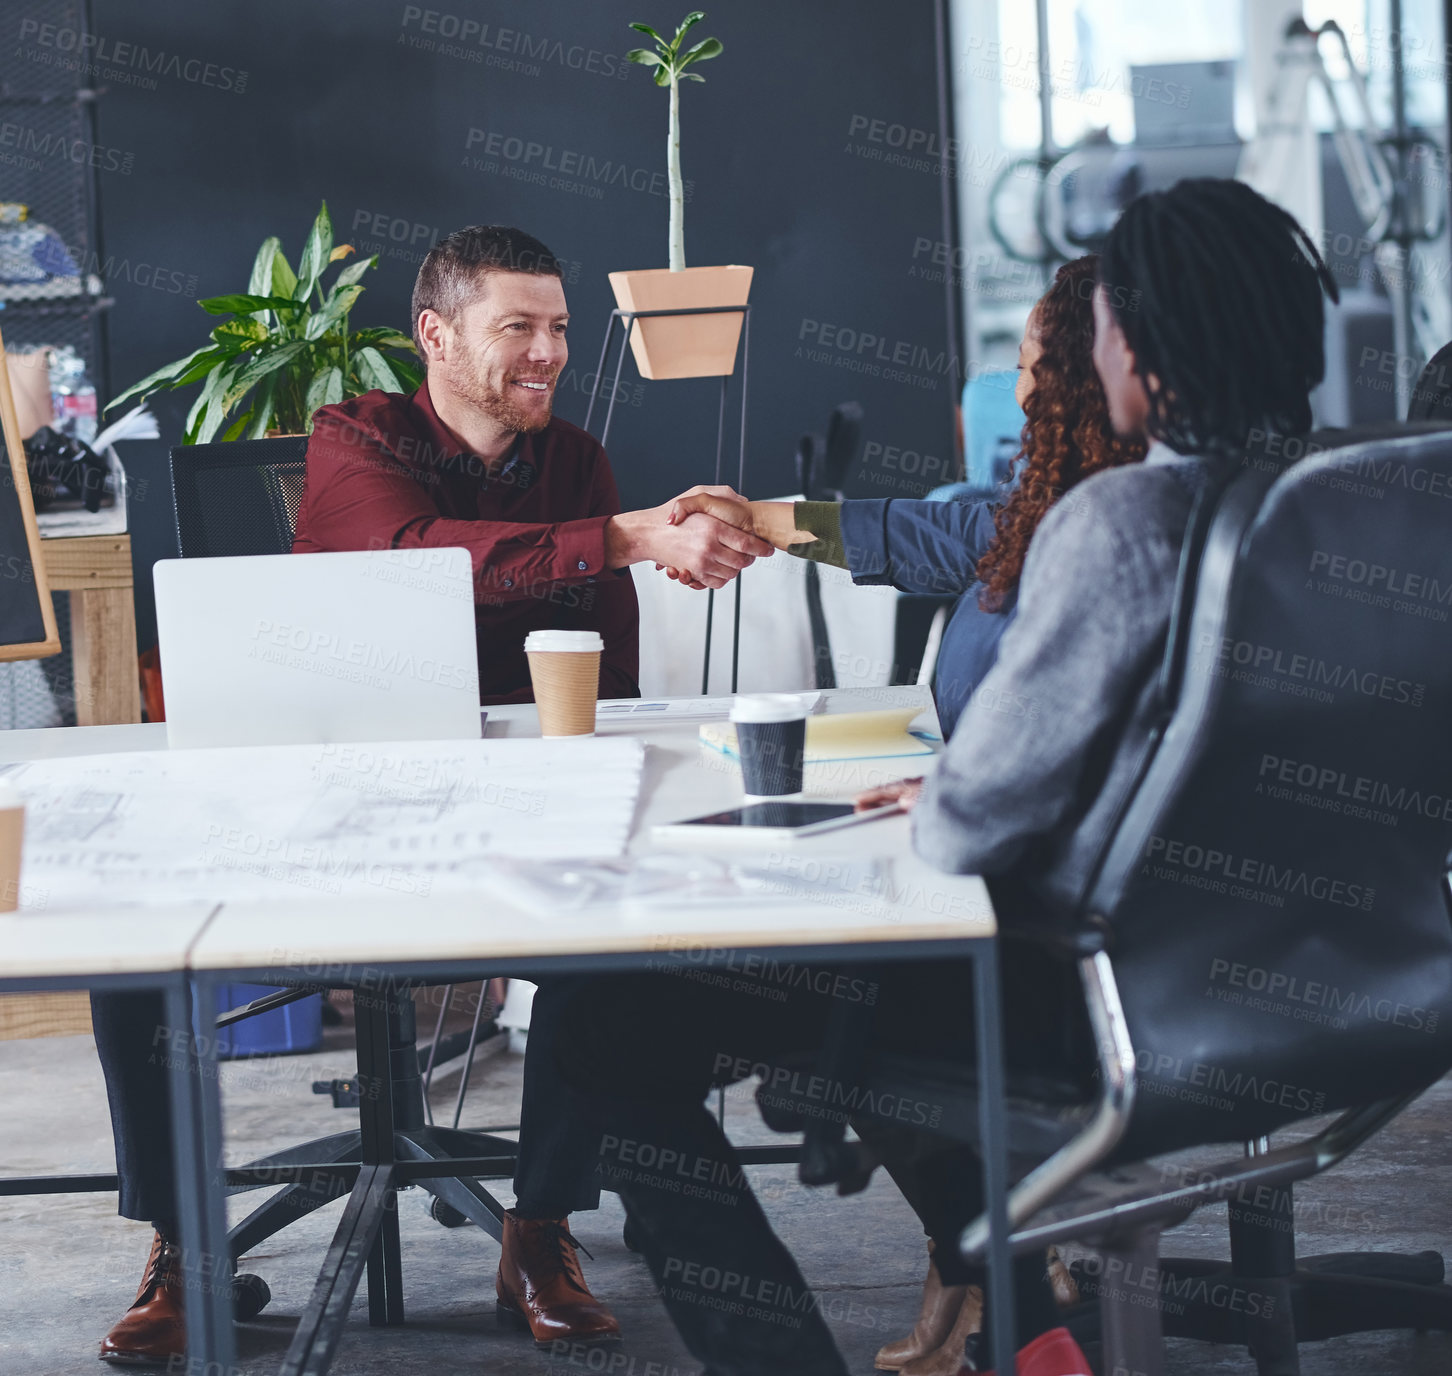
x: 991, y: 1118
x: 201, y: 1211
x: 103, y: 649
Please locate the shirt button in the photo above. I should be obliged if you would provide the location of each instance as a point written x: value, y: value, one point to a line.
x: 509, y: 582
x: 582, y: 565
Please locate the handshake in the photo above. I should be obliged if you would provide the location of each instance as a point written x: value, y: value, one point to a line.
x: 704, y: 537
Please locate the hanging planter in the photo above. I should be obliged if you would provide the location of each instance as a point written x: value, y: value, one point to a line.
x: 687, y: 345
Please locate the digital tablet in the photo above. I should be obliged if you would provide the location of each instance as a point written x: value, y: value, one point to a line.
x: 771, y: 821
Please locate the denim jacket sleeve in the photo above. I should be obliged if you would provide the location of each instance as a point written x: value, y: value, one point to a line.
x: 917, y: 546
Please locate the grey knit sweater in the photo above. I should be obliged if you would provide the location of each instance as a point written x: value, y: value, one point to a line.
x: 1050, y: 741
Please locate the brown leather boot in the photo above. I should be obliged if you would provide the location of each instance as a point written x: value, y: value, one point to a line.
x: 540, y: 1285
x: 153, y: 1330
x: 936, y: 1317
x: 947, y: 1360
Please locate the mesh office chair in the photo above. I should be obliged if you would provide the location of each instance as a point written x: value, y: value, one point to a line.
x: 1269, y: 936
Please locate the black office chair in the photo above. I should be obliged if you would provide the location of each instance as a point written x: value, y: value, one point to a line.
x: 1250, y: 955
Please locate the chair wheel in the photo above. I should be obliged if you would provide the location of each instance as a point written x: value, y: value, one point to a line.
x: 250, y: 1296
x: 630, y: 1236
x: 446, y: 1214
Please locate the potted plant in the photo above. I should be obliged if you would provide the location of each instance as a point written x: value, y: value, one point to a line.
x: 286, y: 348
x: 690, y: 345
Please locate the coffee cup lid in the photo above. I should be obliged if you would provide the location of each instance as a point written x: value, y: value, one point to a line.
x: 768, y: 707
x: 538, y: 642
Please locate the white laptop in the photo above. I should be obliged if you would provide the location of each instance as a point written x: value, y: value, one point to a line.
x: 283, y: 649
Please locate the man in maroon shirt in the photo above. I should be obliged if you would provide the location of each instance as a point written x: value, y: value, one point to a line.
x: 474, y: 458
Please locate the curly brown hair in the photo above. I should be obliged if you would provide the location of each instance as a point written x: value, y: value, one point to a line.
x: 1066, y: 434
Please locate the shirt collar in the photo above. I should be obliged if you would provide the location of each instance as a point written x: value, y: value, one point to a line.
x: 440, y: 435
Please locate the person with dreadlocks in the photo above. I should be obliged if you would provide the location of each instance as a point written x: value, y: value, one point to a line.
x: 955, y: 548
x: 1208, y: 315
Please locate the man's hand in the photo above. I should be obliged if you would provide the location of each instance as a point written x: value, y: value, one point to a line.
x: 703, y: 550
x: 770, y: 521
x: 905, y: 793
x: 773, y: 521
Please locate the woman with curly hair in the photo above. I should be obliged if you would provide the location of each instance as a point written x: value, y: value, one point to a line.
x: 952, y: 548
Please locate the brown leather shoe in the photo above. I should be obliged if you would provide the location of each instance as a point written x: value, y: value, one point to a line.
x: 153, y: 1330
x: 936, y: 1317
x: 540, y: 1285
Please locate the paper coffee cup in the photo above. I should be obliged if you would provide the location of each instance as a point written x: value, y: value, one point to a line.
x: 564, y: 667
x: 771, y: 737
x: 12, y: 834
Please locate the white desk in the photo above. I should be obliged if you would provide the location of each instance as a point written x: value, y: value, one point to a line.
x: 455, y: 936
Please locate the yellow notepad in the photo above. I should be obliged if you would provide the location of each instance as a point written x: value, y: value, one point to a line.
x: 844, y: 736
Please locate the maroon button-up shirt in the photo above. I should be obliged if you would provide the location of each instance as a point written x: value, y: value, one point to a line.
x: 384, y: 473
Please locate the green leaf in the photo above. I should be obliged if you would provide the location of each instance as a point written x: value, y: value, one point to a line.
x: 663, y: 75
x: 234, y: 431
x: 373, y: 371
x: 240, y: 333
x: 326, y: 389
x: 261, y: 365
x: 333, y: 313
x: 204, y: 366
x: 644, y: 56
x: 260, y: 283
x: 314, y: 255
x: 705, y: 49
x: 383, y: 336
x: 162, y: 377
x: 354, y: 272
x: 693, y: 18
x: 691, y: 76
x: 408, y: 372
x: 284, y: 279
x: 245, y: 304
x: 264, y: 408
x: 209, y: 406
x: 649, y: 33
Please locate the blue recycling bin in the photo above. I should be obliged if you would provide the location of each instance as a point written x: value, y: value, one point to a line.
x: 293, y: 1029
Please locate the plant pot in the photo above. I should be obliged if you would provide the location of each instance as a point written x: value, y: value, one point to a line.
x: 687, y: 345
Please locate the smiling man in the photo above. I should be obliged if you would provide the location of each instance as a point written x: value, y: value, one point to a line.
x: 476, y: 458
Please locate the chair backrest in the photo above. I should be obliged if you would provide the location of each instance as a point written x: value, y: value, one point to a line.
x: 238, y: 498
x: 1276, y: 890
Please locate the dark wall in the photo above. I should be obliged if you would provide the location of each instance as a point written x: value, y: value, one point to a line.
x: 796, y: 149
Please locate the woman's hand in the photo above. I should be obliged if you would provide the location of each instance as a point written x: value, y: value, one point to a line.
x: 905, y: 793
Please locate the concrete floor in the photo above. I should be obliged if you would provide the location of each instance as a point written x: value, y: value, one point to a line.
x: 69, y: 1266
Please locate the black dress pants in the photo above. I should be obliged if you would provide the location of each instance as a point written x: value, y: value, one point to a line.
x: 559, y: 1142
x: 647, y: 1048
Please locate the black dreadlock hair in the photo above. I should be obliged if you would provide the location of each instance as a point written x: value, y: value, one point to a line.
x: 1218, y: 292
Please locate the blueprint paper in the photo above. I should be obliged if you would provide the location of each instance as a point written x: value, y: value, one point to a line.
x: 411, y: 818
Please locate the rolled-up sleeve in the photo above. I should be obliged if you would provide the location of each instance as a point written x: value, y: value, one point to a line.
x: 361, y: 497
